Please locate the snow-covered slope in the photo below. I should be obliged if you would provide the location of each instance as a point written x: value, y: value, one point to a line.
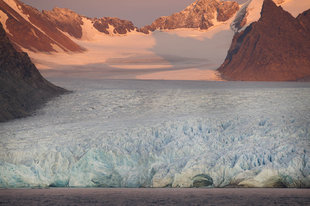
x: 202, y: 14
x: 137, y: 55
x: 46, y: 31
x: 116, y: 49
x: 192, y: 53
x: 72, y: 23
x: 250, y: 11
x: 29, y: 29
x: 184, y: 53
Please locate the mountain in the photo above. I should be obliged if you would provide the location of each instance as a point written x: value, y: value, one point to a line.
x: 22, y: 88
x: 52, y: 31
x: 275, y: 48
x: 250, y: 12
x: 190, y: 44
x: 72, y: 23
x: 201, y: 14
x: 39, y: 34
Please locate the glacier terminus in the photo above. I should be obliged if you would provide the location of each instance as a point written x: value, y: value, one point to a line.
x: 138, y: 133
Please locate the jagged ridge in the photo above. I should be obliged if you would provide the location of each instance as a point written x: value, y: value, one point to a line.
x: 276, y: 48
x: 39, y: 34
x: 44, y: 31
x: 71, y: 22
x: 201, y: 14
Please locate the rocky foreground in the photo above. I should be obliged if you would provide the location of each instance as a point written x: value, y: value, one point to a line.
x: 22, y: 88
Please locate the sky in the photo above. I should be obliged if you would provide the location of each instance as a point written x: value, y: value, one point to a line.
x: 140, y: 12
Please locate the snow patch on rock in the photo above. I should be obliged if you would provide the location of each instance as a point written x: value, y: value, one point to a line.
x: 89, y: 32
x: 3, y: 19
x: 250, y: 11
x: 16, y: 7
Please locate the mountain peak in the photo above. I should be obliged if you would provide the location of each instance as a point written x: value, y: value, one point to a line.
x: 66, y: 20
x: 251, y: 12
x: 59, y: 13
x: 201, y: 14
x: 269, y: 8
x: 38, y: 32
x: 275, y: 48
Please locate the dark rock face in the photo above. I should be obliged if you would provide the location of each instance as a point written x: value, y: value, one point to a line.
x: 38, y: 32
x: 22, y: 88
x: 304, y: 20
x: 120, y: 26
x: 276, y: 48
x: 198, y: 15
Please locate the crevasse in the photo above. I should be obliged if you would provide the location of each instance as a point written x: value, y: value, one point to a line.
x: 162, y: 134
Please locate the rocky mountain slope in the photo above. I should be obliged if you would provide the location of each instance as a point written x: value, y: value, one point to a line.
x: 201, y: 14
x: 22, y: 88
x: 38, y: 32
x: 52, y: 31
x: 250, y: 12
x: 72, y: 23
x: 197, y: 37
x: 276, y: 48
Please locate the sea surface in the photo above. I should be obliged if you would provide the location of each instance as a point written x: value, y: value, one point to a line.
x: 134, y: 133
x: 140, y: 196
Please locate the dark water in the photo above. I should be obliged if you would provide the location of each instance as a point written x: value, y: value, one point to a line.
x: 227, y: 196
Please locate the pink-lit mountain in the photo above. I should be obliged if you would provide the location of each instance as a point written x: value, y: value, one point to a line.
x: 44, y: 31
x: 191, y: 44
x: 276, y: 48
x: 199, y: 14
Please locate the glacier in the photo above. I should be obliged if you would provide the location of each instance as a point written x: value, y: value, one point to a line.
x: 134, y: 133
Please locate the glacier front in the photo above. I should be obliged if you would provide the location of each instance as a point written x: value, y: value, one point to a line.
x: 131, y: 133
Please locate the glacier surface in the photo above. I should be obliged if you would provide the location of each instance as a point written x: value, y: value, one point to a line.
x: 131, y: 133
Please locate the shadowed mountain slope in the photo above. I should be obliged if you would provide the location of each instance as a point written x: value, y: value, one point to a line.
x: 22, y: 88
x: 276, y: 48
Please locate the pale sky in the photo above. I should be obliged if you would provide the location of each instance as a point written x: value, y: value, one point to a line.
x: 140, y: 12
